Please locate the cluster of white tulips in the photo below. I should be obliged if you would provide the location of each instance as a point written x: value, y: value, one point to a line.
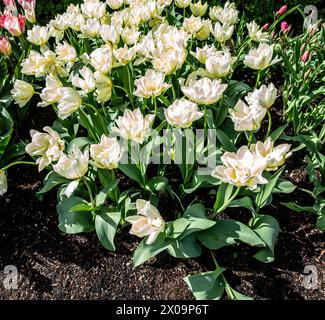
x: 168, y: 72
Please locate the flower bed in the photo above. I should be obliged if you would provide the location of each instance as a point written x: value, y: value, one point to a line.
x: 163, y: 126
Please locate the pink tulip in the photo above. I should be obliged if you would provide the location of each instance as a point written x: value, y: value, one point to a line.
x: 29, y: 8
x: 285, y: 28
x: 305, y: 56
x: 14, y: 24
x: 10, y: 5
x: 5, y: 46
x: 266, y: 27
x: 282, y: 10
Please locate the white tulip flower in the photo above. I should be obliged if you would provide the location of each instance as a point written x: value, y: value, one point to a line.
x: 151, y: 85
x: 265, y: 95
x: 104, y: 87
x: 241, y: 169
x: 202, y: 54
x: 91, y: 28
x: 227, y: 15
x: 109, y: 34
x: 148, y: 221
x: 86, y: 83
x: 247, y: 118
x: 130, y: 36
x: 260, y: 58
x: 182, y: 113
x: 69, y: 103
x: 74, y: 165
x: 123, y: 55
x: 102, y: 59
x: 183, y: 3
x: 51, y: 92
x: 219, y: 65
x: 66, y: 53
x: 22, y: 92
x: 205, y: 31
x: 40, y: 65
x: 192, y: 24
x: 275, y: 156
x: 93, y: 9
x: 39, y: 35
x: 48, y: 147
x: 133, y: 125
x: 169, y: 61
x: 204, y: 91
x: 199, y: 9
x: 256, y: 33
x: 106, y: 154
x: 223, y: 33
x: 115, y: 4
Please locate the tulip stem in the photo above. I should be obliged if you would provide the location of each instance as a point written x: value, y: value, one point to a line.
x: 250, y: 138
x: 89, y: 190
x: 18, y: 163
x: 269, y: 127
x: 154, y: 101
x: 205, y: 120
x: 172, y: 87
x: 258, y: 78
x: 115, y: 190
x: 227, y: 285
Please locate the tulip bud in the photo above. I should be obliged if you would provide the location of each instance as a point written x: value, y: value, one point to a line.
x: 5, y: 46
x: 10, y: 5
x: 3, y: 183
x: 285, y: 28
x: 266, y: 27
x: 29, y: 8
x: 305, y: 56
x: 282, y: 10
x: 302, y: 48
x: 14, y: 24
x: 312, y: 29
x: 307, y: 74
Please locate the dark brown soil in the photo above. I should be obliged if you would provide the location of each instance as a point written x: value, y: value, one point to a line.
x: 53, y: 265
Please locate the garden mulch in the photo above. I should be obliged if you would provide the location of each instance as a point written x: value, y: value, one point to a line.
x: 53, y: 265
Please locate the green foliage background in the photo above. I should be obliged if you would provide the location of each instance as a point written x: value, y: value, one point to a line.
x: 260, y: 10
